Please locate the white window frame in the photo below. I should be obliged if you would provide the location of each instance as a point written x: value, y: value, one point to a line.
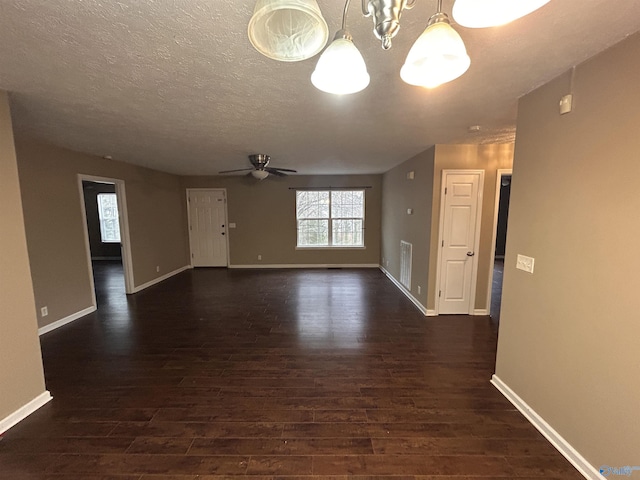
x: 329, y: 219
x: 102, y: 219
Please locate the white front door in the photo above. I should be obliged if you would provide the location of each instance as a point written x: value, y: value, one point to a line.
x: 208, y: 228
x: 459, y: 234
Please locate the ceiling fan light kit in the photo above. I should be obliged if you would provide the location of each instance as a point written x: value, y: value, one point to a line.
x: 259, y: 174
x: 289, y: 30
x: 261, y: 168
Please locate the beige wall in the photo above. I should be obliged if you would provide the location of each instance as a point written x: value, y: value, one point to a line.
x: 489, y: 158
x: 422, y: 228
x: 569, y: 333
x: 21, y: 375
x: 400, y: 194
x: 264, y: 212
x: 54, y: 223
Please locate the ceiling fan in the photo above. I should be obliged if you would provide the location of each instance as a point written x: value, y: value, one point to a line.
x: 260, y: 169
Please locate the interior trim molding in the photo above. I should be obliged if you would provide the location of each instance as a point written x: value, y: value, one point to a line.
x: 160, y: 279
x: 431, y: 313
x: 65, y: 320
x: 582, y: 465
x: 481, y: 311
x: 310, y: 265
x: 407, y: 293
x: 24, y: 411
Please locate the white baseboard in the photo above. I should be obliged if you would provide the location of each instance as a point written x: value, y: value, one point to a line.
x: 407, y: 293
x: 310, y: 265
x: 582, y: 465
x: 481, y: 311
x: 65, y: 320
x: 431, y: 313
x: 160, y: 279
x: 24, y: 411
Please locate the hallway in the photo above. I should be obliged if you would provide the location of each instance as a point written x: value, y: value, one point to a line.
x: 269, y: 374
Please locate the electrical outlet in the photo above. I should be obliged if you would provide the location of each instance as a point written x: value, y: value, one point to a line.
x: 525, y: 263
x: 44, y: 311
x: 259, y: 257
x: 157, y: 268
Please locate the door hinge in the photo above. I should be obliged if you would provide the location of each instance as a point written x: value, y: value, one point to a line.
x: 443, y: 243
x: 439, y: 293
x: 192, y: 255
x: 445, y: 190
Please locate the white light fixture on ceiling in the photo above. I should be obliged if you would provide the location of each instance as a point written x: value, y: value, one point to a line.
x: 341, y: 69
x: 259, y: 174
x: 491, y: 13
x: 288, y: 30
x: 292, y: 30
x: 438, y: 56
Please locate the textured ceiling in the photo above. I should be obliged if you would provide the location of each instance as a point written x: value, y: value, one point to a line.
x: 175, y: 84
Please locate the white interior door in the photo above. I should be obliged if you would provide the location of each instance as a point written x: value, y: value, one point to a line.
x: 460, y: 229
x: 208, y: 228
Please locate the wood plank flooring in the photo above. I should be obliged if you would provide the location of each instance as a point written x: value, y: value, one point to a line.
x: 294, y: 374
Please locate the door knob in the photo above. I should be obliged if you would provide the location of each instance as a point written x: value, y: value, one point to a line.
x: 470, y: 254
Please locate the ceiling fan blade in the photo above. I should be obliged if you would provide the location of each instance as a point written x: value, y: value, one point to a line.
x: 275, y: 171
x: 238, y: 170
x: 284, y: 169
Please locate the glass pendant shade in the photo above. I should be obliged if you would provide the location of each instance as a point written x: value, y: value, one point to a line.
x: 437, y: 57
x: 341, y: 69
x: 259, y: 174
x: 491, y: 13
x: 288, y: 30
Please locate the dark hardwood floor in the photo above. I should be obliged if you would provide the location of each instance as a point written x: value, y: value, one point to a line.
x: 221, y: 373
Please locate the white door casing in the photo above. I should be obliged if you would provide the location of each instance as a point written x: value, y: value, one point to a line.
x: 125, y: 240
x: 492, y: 252
x: 460, y: 215
x: 208, y: 227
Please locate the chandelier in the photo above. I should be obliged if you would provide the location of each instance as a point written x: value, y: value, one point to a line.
x: 294, y: 30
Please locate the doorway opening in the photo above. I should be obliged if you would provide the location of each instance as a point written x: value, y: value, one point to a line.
x: 501, y: 217
x: 106, y: 238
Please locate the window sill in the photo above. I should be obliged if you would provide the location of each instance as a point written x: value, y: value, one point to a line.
x: 337, y: 247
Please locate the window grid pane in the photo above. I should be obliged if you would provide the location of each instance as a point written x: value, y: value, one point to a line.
x: 347, y: 232
x: 347, y: 204
x: 313, y: 233
x: 312, y: 204
x: 108, y: 215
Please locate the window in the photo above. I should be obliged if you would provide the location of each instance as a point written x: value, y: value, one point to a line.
x: 330, y: 218
x: 108, y: 214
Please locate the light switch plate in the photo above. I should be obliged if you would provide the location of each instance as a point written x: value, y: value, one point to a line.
x: 565, y: 104
x: 525, y: 263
